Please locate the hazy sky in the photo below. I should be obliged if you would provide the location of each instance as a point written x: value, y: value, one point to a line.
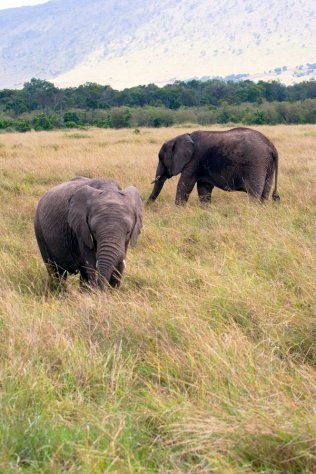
x: 19, y: 3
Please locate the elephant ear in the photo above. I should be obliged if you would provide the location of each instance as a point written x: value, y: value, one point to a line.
x: 136, y: 206
x: 183, y: 151
x: 78, y: 215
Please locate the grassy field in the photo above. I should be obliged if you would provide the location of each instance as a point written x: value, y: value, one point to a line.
x: 204, y: 360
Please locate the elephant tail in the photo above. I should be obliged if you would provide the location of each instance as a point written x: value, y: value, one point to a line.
x: 275, y: 194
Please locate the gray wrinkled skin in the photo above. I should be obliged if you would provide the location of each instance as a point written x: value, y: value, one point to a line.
x: 85, y: 225
x: 240, y: 159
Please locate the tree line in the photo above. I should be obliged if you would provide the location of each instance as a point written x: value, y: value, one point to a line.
x: 42, y: 105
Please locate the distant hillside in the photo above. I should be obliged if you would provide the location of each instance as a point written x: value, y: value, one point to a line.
x: 125, y: 43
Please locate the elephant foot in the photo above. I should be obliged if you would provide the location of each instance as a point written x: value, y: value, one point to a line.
x: 56, y: 284
x: 180, y: 202
x: 204, y: 202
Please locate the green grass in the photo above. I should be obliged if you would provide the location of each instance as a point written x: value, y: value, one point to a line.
x: 203, y: 361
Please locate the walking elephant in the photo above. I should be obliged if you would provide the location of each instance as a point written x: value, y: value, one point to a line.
x: 240, y: 159
x: 85, y: 225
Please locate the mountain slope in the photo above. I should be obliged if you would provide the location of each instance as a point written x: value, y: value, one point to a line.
x: 123, y: 43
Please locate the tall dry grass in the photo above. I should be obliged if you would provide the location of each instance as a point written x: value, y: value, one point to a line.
x: 203, y: 361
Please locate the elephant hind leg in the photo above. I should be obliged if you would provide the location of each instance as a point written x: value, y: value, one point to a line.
x: 268, y: 183
x: 204, y: 191
x: 254, y: 186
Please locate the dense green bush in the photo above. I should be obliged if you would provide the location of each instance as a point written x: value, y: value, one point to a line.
x: 42, y: 122
x: 161, y: 117
x: 119, y: 118
x: 5, y: 123
x: 71, y: 117
x: 71, y: 124
x: 22, y: 126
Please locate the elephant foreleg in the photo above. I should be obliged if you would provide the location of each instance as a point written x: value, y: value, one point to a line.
x: 57, y: 274
x: 88, y: 277
x: 204, y: 191
x: 185, y: 185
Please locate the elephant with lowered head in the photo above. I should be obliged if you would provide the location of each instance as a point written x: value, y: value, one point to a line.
x: 240, y: 159
x: 85, y: 225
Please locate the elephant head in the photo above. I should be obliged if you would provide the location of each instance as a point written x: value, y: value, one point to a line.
x: 104, y: 222
x: 174, y: 156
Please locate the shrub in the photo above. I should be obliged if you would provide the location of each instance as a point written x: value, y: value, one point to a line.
x: 120, y: 118
x: 223, y: 116
x: 205, y: 117
x: 161, y: 117
x: 71, y: 117
x: 56, y: 121
x: 185, y: 116
x: 255, y: 117
x: 23, y: 126
x: 72, y: 124
x: 42, y: 122
x: 5, y: 123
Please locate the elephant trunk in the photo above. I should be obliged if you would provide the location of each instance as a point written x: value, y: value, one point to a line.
x: 161, y: 176
x: 110, y: 253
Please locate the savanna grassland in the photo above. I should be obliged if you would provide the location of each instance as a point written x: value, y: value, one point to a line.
x: 203, y: 361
